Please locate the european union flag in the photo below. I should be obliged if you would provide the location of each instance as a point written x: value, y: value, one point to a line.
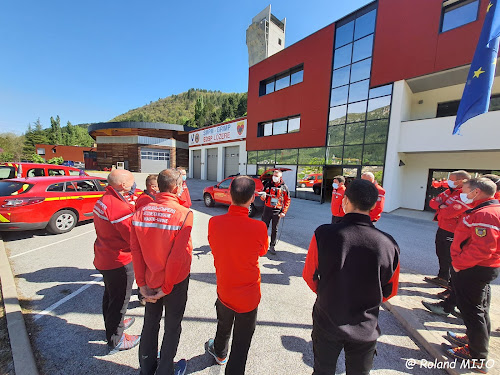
x: 476, y: 96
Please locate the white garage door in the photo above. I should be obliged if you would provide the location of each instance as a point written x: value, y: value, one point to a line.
x: 154, y: 161
x: 212, y: 164
x: 231, y: 161
x: 197, y: 164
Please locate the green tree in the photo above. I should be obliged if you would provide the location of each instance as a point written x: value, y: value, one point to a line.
x: 34, y: 135
x: 6, y: 157
x: 57, y: 160
x: 55, y: 136
x: 35, y: 158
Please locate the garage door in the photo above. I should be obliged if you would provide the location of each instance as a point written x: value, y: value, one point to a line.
x: 231, y: 161
x: 197, y: 164
x: 154, y: 160
x: 212, y: 164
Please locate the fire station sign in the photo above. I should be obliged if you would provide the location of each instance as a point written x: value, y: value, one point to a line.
x: 231, y: 131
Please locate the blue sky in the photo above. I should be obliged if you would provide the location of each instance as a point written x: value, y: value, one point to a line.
x: 89, y: 61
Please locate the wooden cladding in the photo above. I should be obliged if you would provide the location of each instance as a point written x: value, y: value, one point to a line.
x: 155, y: 133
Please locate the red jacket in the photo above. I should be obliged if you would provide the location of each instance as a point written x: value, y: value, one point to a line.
x: 278, y: 196
x: 144, y: 199
x: 185, y: 198
x: 376, y: 211
x: 161, y: 244
x: 477, y: 237
x: 449, y: 216
x: 237, y: 242
x: 337, y: 196
x: 112, y: 218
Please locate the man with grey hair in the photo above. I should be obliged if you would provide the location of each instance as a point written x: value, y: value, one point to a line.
x: 376, y: 211
x: 112, y: 219
x: 185, y: 198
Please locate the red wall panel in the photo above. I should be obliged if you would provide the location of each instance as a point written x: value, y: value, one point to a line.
x: 309, y: 98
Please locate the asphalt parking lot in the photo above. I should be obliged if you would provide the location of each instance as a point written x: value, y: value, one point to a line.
x: 61, y: 293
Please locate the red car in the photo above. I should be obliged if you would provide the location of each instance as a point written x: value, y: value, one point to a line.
x: 54, y: 203
x: 310, y: 180
x: 13, y: 170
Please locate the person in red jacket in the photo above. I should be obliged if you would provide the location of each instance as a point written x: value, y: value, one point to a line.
x: 376, y: 211
x: 148, y: 195
x: 237, y: 242
x: 337, y: 196
x: 162, y: 252
x: 448, y: 208
x: 475, y: 255
x: 112, y: 258
x: 496, y: 180
x: 185, y: 198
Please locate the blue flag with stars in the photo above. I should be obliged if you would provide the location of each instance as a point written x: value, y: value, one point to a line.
x: 476, y: 96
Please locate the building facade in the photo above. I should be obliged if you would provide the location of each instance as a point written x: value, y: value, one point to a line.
x: 85, y: 155
x: 375, y: 91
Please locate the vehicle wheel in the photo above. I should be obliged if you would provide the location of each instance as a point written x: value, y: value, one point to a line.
x: 302, y: 185
x: 252, y: 210
x: 209, y: 201
x: 317, y: 191
x: 61, y: 222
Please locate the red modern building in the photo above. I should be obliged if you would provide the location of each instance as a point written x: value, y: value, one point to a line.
x: 376, y: 91
x: 86, y: 155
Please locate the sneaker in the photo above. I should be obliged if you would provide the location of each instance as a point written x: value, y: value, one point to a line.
x: 211, y: 351
x: 127, y: 323
x: 126, y: 342
x: 439, y: 281
x: 180, y: 367
x: 444, y: 294
x: 271, y: 250
x: 435, y: 308
x: 460, y: 352
x: 460, y: 340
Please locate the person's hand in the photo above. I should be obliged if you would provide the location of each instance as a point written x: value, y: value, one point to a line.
x: 148, y: 293
x: 159, y: 294
x: 282, y: 214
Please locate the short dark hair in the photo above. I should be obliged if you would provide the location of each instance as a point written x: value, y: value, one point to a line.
x: 168, y: 179
x: 484, y: 184
x: 362, y: 194
x: 340, y: 179
x: 242, y: 189
x: 151, y: 178
x: 495, y: 179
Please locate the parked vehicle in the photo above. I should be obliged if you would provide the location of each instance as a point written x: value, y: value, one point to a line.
x: 17, y: 170
x: 54, y: 203
x: 310, y: 180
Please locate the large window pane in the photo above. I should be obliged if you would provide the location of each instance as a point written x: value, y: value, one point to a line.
x: 340, y: 77
x: 336, y: 135
x: 377, y: 172
x: 294, y: 125
x: 374, y: 154
x: 312, y: 155
x: 365, y: 25
x: 268, y: 129
x: 342, y: 56
x: 358, y: 91
x: 376, y: 131
x: 297, y: 77
x: 270, y: 87
x: 288, y: 156
x: 459, y: 15
x: 356, y: 112
x: 354, y: 133
x: 361, y: 70
x: 337, y: 115
x: 334, y: 155
x: 266, y: 157
x: 352, y: 154
x: 279, y: 127
x: 381, y: 91
x: 379, y: 108
x: 252, y: 157
x: 343, y: 34
x: 282, y: 82
x: 339, y: 96
x: 362, y: 48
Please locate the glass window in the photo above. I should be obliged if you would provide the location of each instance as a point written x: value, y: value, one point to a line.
x: 85, y: 185
x: 339, y: 96
x: 56, y: 172
x: 70, y: 187
x: 362, y: 48
x: 340, y: 77
x: 270, y: 87
x: 266, y: 157
x: 494, y: 103
x: 282, y: 82
x: 56, y: 187
x: 40, y: 151
x: 356, y: 112
x: 297, y: 77
x: 268, y: 128
x: 74, y: 173
x: 252, y: 157
x: 314, y: 155
x: 10, y: 187
x: 376, y: 131
x: 288, y: 156
x: 337, y: 115
x: 294, y: 125
x: 336, y: 135
x: 352, y: 154
x: 279, y: 127
x: 361, y: 70
x: 380, y: 91
x: 342, y: 56
x: 334, y: 155
x: 343, y: 34
x: 225, y: 184
x: 379, y: 108
x: 459, y: 15
x: 365, y: 25
x: 7, y: 172
x: 36, y: 172
x: 358, y: 91
x: 374, y: 154
x: 354, y: 133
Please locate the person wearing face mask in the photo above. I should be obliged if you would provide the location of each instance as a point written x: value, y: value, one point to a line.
x: 338, y: 186
x: 352, y: 267
x: 112, y: 257
x: 148, y: 195
x: 448, y: 208
x: 475, y: 255
x: 184, y: 197
x: 277, y: 202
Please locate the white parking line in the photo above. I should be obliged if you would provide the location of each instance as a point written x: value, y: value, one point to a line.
x: 49, y: 309
x: 52, y: 244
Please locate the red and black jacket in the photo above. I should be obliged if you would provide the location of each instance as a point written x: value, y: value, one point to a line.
x: 277, y: 196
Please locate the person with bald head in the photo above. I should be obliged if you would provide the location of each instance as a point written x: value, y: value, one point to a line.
x: 112, y: 257
x: 376, y: 211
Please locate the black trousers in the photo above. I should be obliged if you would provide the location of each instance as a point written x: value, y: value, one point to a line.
x: 117, y: 290
x: 472, y: 288
x: 336, y: 219
x: 274, y: 215
x: 327, y: 348
x: 443, y: 244
x: 244, y: 327
x: 175, y: 304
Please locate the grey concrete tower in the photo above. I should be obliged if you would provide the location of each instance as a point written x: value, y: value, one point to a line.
x: 265, y: 36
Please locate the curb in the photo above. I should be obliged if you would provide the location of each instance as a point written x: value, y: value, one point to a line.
x: 24, y: 360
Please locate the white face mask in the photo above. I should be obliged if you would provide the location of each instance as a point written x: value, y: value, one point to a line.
x: 452, y: 184
x: 335, y: 185
x: 276, y: 179
x: 465, y: 199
